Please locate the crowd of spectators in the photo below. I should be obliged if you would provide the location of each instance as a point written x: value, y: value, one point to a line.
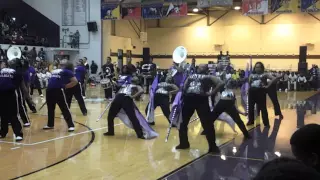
x: 12, y: 32
x: 288, y: 81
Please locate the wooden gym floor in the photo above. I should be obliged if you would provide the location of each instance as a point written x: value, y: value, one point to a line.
x: 87, y: 154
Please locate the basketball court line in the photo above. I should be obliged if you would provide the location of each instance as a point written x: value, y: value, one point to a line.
x: 62, y: 137
x: 93, y: 136
x: 202, y: 156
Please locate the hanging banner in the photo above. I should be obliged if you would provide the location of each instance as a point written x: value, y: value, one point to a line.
x: 254, y: 7
x: 152, y: 11
x: 175, y: 9
x: 203, y: 3
x: 280, y: 6
x: 221, y: 3
x: 310, y: 6
x: 110, y: 11
x: 131, y: 11
x: 110, y: 1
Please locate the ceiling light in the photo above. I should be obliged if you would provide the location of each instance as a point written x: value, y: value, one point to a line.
x: 195, y: 10
x: 237, y: 8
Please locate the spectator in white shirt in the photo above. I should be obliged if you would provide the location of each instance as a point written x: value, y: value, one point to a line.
x: 283, y: 82
x: 292, y: 80
x: 302, y: 82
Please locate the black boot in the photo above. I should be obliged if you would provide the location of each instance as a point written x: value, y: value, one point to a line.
x: 109, y: 133
x: 214, y: 150
x: 184, y: 142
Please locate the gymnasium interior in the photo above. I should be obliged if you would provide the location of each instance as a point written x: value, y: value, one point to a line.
x: 283, y: 35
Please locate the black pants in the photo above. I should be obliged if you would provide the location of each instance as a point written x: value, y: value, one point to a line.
x: 57, y: 96
x: 229, y: 107
x: 161, y: 100
x: 76, y: 92
x: 108, y: 93
x: 258, y: 96
x: 32, y: 87
x: 200, y: 104
x: 9, y: 113
x: 126, y: 103
x: 314, y: 83
x: 173, y: 96
x: 272, y: 93
x: 149, y: 82
x: 23, y: 112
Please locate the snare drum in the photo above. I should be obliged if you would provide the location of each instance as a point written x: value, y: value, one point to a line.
x: 106, y: 83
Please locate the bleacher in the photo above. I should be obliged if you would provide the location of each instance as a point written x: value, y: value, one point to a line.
x: 14, y: 32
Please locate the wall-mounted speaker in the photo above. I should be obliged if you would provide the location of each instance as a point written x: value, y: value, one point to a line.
x: 92, y: 26
x: 302, y: 67
x: 303, y: 54
x: 146, y: 55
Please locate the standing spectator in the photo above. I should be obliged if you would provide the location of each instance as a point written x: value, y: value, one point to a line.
x: 42, y: 54
x: 33, y: 55
x: 94, y: 68
x: 86, y: 64
x: 314, y: 77
x: 24, y: 30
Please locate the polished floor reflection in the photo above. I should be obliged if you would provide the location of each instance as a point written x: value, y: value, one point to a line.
x: 241, y: 160
x: 87, y: 154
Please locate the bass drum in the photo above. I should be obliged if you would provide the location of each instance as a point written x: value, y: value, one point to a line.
x: 106, y: 83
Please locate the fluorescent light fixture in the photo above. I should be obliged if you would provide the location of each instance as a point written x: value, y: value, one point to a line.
x: 195, y: 10
x: 237, y: 8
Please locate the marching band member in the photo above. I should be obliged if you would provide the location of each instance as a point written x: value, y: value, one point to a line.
x: 76, y: 91
x: 225, y: 108
x: 196, y: 92
x: 177, y: 72
x: 125, y: 76
x: 161, y: 97
x: 257, y: 92
x: 23, y: 113
x: 108, y: 72
x: 26, y: 93
x: 123, y: 107
x: 60, y: 80
x: 35, y: 83
x: 227, y: 103
x: 10, y: 80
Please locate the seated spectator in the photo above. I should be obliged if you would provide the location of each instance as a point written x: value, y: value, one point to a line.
x: 302, y: 82
x: 305, y: 145
x: 286, y: 169
x: 283, y: 82
x: 292, y: 81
